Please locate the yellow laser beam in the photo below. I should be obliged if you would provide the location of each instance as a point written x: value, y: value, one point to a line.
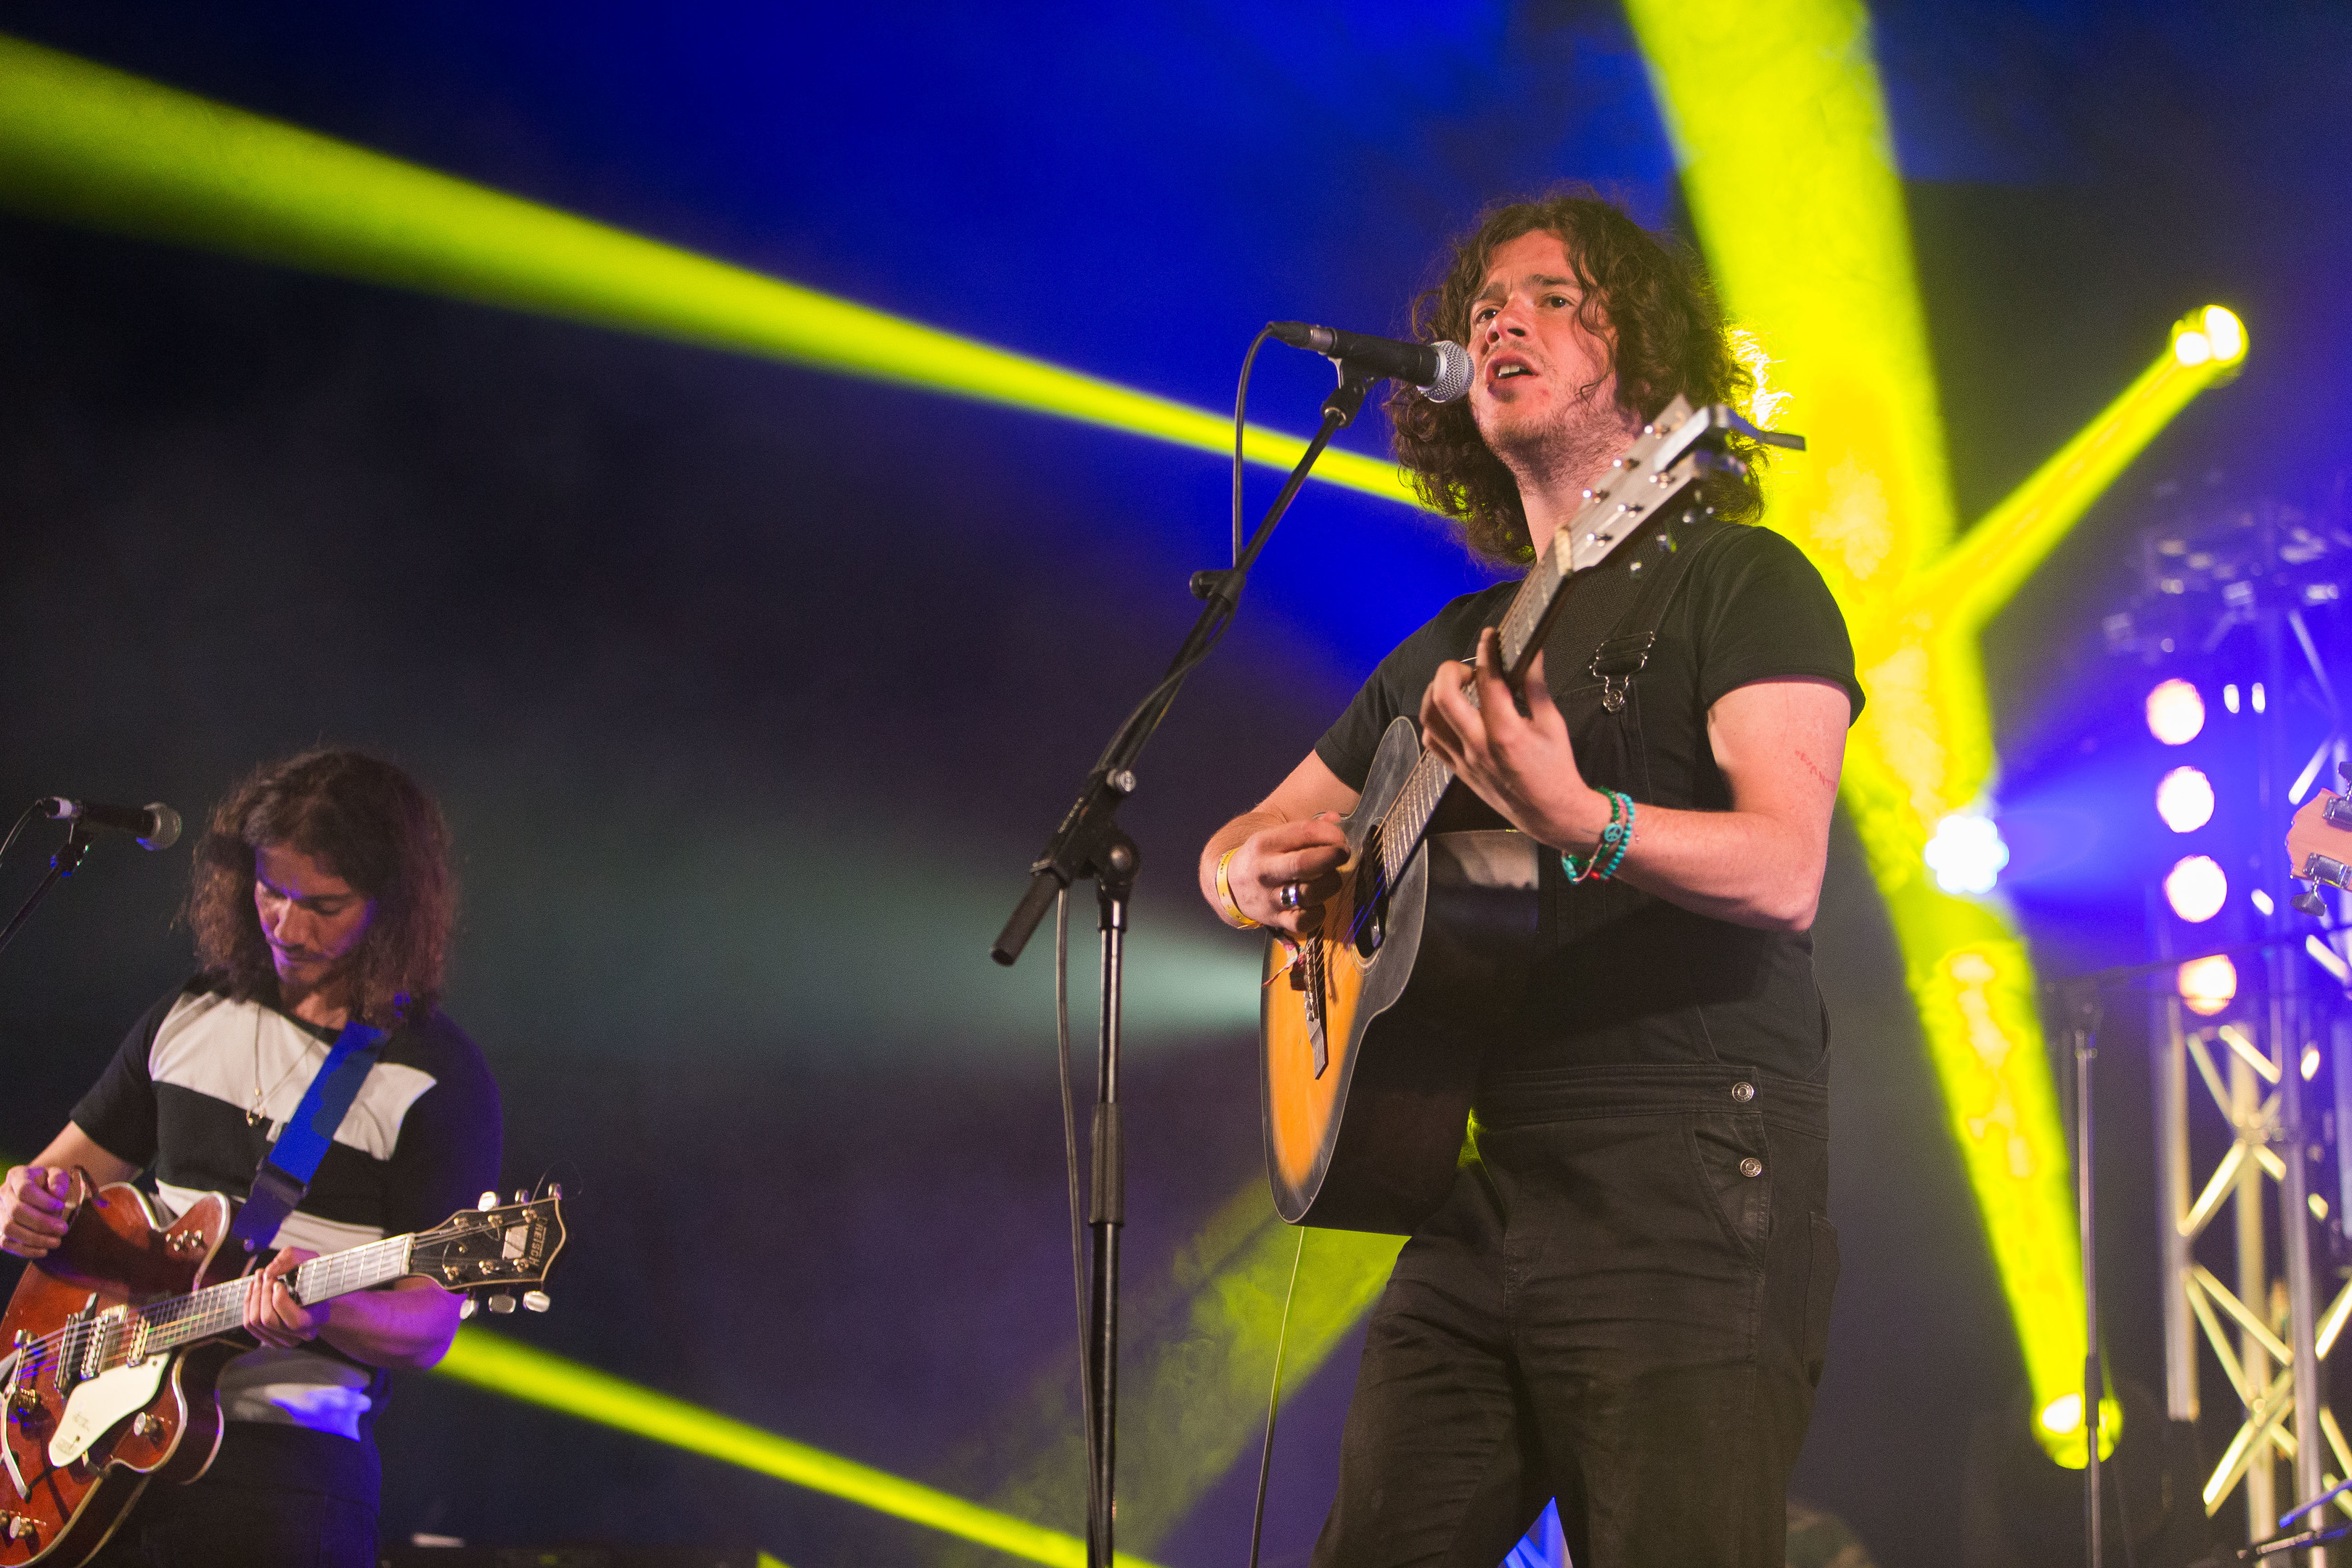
x: 508, y: 1366
x: 85, y: 144
x: 1197, y: 1401
x: 1780, y: 129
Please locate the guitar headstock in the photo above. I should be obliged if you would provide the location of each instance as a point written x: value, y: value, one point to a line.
x: 2319, y: 841
x: 1674, y: 451
x: 495, y: 1245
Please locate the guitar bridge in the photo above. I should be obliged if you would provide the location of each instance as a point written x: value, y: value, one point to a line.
x: 1318, y: 979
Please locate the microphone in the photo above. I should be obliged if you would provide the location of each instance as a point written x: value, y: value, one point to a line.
x: 155, y: 825
x: 1439, y: 371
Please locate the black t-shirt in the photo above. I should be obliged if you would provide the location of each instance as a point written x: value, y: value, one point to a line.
x: 420, y: 1141
x: 1626, y: 977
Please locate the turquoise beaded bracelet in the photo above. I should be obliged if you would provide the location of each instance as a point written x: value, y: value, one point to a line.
x: 1615, y: 839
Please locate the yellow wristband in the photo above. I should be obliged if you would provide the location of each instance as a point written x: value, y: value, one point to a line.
x: 1226, y: 892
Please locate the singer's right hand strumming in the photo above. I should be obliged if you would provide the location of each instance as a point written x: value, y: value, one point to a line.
x: 1293, y: 839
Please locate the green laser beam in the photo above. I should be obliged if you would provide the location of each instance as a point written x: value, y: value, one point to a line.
x: 522, y: 1372
x: 85, y: 144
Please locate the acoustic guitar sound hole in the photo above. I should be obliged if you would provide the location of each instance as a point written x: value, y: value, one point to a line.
x: 1371, y: 900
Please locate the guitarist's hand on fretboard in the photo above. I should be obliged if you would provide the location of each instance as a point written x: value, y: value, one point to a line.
x: 1525, y: 767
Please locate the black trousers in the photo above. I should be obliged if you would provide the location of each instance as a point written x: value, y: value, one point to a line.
x: 276, y: 1497
x: 1623, y: 1304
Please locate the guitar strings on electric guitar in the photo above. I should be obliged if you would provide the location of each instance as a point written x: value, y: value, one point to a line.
x: 114, y: 1338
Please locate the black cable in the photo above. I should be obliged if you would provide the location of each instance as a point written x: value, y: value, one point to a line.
x: 9, y: 843
x: 1274, y: 1402
x: 1070, y: 1164
x: 1241, y: 424
x: 1146, y: 712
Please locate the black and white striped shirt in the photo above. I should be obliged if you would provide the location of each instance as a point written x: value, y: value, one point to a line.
x: 421, y: 1140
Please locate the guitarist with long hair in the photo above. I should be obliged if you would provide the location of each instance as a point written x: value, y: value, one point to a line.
x: 322, y: 894
x: 1623, y: 1302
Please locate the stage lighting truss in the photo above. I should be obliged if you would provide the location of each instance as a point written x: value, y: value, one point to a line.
x: 2263, y: 568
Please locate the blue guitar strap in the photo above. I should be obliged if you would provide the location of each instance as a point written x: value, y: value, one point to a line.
x: 286, y: 1170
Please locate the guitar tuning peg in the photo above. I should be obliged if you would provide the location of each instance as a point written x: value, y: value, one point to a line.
x: 536, y: 1302
x: 2310, y: 902
x: 465, y: 1308
x: 489, y: 1201
x: 502, y: 1303
x: 555, y: 1189
x: 522, y: 1196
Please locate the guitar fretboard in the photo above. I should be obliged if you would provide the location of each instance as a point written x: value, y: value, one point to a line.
x: 1407, y: 820
x: 183, y: 1320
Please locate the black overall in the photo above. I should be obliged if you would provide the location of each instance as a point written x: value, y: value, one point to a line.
x: 1624, y: 1301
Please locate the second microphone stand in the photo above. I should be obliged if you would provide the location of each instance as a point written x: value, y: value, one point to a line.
x: 1089, y: 843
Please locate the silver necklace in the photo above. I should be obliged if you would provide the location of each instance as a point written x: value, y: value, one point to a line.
x: 253, y: 1113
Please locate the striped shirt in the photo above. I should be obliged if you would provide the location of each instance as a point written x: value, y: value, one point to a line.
x: 421, y: 1140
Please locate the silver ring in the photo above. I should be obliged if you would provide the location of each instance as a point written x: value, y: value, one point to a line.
x: 1288, y: 898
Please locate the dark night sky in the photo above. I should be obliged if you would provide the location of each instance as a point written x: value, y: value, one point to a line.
x: 751, y: 692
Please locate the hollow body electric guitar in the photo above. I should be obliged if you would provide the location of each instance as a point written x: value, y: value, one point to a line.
x: 114, y: 1338
x: 1368, y: 1031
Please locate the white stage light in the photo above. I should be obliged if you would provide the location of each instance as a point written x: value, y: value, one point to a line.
x: 1966, y: 853
x: 2176, y: 712
x: 2196, y: 887
x: 2184, y: 798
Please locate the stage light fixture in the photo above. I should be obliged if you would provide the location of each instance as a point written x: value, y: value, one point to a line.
x: 2208, y: 985
x: 2213, y: 336
x: 2256, y: 693
x: 1966, y: 853
x: 2310, y: 1063
x: 2229, y: 697
x: 82, y: 144
x: 2184, y: 798
x: 2261, y: 902
x: 2176, y: 711
x: 535, y: 1376
x: 2196, y: 887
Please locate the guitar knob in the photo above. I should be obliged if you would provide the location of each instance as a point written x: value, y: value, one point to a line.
x: 536, y: 1302
x: 489, y: 1201
x: 465, y: 1308
x: 145, y: 1425
x: 502, y: 1303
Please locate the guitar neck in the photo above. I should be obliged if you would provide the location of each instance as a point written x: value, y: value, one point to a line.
x: 217, y: 1308
x: 1521, y: 630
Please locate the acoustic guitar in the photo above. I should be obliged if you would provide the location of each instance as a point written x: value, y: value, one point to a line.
x: 1368, y: 1029
x: 114, y: 1338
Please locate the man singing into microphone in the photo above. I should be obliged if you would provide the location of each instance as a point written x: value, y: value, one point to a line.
x: 1624, y: 1302
x: 322, y: 895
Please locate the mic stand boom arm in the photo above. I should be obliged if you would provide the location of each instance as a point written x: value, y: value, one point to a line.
x: 1091, y: 844
x: 63, y: 864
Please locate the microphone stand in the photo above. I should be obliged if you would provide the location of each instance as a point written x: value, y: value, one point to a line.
x: 63, y: 864
x: 1089, y: 843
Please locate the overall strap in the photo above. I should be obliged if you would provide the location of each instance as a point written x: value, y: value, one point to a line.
x: 284, y: 1172
x: 1663, y: 558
